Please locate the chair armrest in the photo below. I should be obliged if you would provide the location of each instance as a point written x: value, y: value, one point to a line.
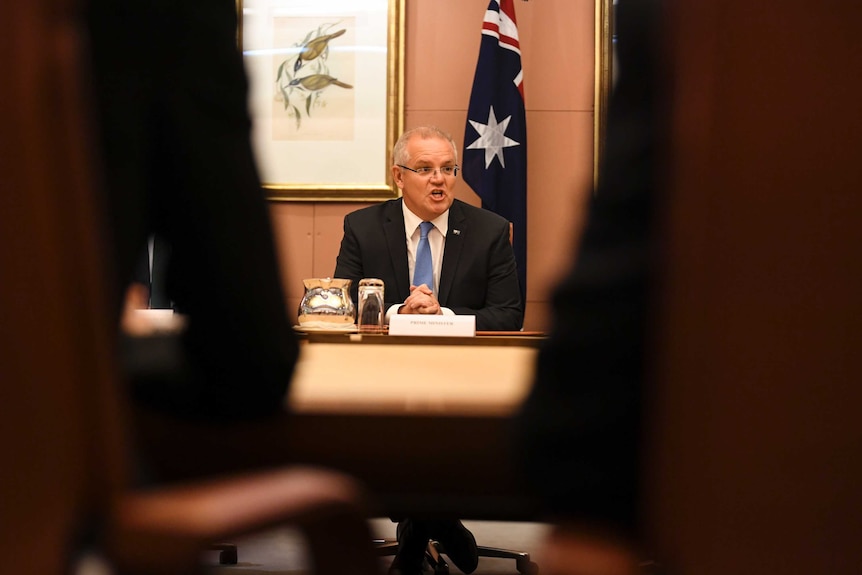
x: 164, y: 530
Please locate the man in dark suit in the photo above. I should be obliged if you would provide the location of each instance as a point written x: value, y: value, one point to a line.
x: 474, y: 270
x: 170, y: 93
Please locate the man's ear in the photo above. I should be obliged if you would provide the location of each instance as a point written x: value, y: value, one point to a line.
x: 398, y: 177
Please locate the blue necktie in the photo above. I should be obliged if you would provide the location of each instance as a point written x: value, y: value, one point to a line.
x: 423, y: 271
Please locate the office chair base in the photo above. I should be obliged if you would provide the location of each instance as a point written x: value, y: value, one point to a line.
x: 522, y: 560
x: 435, y: 561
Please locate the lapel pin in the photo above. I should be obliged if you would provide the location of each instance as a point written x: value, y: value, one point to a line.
x: 456, y: 232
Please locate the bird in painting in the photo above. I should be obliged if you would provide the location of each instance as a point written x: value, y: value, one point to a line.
x: 317, y: 82
x: 314, y: 48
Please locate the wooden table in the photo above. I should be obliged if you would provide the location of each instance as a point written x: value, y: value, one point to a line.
x: 425, y: 425
x: 409, y: 375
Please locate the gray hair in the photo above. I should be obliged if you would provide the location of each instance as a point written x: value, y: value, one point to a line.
x: 399, y: 153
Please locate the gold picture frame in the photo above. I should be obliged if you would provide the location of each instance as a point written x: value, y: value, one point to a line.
x: 326, y: 95
x: 604, y: 78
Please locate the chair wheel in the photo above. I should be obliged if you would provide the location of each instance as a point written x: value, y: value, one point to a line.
x: 526, y: 567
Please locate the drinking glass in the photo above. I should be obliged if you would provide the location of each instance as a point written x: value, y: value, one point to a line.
x: 371, y: 313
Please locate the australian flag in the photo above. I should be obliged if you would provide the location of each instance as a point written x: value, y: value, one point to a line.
x: 495, y: 138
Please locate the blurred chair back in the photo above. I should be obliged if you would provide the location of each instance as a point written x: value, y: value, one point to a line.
x: 55, y: 357
x: 65, y: 483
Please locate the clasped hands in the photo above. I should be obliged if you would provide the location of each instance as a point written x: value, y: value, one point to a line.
x: 421, y: 300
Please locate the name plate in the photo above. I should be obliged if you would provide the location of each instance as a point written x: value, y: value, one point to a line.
x: 444, y: 325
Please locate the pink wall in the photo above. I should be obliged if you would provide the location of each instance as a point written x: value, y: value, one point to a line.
x: 442, y: 40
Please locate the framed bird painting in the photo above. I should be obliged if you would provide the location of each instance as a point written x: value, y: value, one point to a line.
x: 325, y: 95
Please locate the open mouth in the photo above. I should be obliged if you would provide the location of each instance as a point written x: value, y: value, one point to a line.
x: 437, y: 194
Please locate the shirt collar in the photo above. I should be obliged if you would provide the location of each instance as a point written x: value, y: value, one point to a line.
x: 412, y: 221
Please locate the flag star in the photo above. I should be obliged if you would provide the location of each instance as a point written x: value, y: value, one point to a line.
x: 492, y: 138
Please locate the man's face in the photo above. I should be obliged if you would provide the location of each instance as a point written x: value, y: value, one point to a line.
x: 427, y: 196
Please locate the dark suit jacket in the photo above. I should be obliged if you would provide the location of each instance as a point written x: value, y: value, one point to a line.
x: 478, y: 275
x: 171, y: 95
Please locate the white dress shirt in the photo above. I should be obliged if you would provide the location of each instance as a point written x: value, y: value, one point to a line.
x: 437, y: 241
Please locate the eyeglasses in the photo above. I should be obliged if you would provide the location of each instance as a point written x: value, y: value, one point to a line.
x: 428, y: 171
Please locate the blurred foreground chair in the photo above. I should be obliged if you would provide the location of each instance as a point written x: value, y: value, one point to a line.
x: 66, y: 487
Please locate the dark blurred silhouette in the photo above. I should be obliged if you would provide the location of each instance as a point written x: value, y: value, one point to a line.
x: 580, y: 423
x: 67, y: 504
x: 718, y: 306
x: 171, y: 98
x: 579, y: 429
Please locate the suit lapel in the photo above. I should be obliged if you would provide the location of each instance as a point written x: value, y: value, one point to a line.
x: 396, y: 242
x: 452, y: 252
